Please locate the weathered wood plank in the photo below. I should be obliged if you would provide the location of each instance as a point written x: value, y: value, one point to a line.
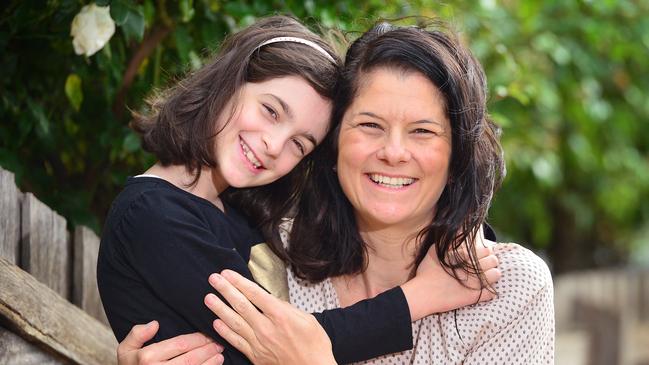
x: 603, y: 325
x: 15, y: 350
x: 644, y: 295
x: 45, y: 245
x: 84, y: 287
x: 42, y: 316
x: 9, y: 217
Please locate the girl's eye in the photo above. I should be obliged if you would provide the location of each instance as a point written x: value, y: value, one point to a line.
x: 299, y: 146
x: 271, y: 111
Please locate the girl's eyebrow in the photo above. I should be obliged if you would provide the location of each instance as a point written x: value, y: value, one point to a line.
x: 281, y: 102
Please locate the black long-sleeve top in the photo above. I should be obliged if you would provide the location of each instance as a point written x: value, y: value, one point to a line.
x: 160, y: 244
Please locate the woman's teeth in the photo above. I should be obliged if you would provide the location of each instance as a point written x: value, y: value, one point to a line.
x: 249, y: 155
x: 391, y: 182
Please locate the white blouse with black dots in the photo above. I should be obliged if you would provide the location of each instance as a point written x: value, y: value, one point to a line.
x: 515, y: 328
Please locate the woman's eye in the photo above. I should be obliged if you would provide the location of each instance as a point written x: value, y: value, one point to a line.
x: 370, y: 125
x: 271, y: 111
x: 299, y: 146
x: 423, y: 131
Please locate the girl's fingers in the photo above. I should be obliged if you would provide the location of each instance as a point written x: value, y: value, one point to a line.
x: 493, y: 275
x: 488, y: 262
x: 255, y: 294
x: 483, y: 251
x: 198, y: 355
x: 181, y: 345
x: 231, y: 318
x: 233, y: 338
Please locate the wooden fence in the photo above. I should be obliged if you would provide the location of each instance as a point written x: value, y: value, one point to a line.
x: 605, y: 313
x: 50, y: 311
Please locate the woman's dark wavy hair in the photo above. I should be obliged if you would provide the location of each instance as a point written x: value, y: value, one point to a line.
x: 180, y: 127
x: 324, y: 240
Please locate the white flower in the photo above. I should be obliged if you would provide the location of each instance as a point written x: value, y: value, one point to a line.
x: 91, y: 29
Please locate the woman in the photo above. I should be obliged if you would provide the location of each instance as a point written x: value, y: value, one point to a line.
x: 245, y: 120
x: 413, y: 164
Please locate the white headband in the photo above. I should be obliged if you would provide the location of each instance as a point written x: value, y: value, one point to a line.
x: 301, y: 41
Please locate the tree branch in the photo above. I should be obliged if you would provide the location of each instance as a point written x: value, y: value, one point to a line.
x: 150, y: 42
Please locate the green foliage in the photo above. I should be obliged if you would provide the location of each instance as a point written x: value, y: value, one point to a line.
x: 568, y: 83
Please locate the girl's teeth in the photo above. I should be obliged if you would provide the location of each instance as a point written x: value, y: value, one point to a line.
x: 249, y: 155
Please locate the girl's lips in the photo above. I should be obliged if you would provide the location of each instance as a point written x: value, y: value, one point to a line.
x: 249, y: 164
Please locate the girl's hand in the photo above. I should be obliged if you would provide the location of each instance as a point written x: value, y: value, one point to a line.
x: 278, y: 334
x: 191, y: 349
x: 433, y: 290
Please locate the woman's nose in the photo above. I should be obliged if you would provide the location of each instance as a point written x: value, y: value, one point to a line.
x: 394, y: 151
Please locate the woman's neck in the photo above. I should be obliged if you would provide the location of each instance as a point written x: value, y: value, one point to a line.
x: 209, y: 186
x: 390, y: 256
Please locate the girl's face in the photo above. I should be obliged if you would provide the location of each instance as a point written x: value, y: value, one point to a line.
x: 394, y: 149
x: 274, y: 125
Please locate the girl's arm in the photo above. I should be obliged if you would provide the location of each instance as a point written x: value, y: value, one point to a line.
x: 282, y: 334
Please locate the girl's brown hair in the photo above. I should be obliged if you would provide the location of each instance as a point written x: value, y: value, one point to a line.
x: 180, y: 127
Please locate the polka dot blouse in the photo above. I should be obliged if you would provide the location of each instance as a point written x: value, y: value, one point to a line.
x: 515, y: 328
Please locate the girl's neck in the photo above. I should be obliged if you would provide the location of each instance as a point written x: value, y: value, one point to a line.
x: 208, y: 186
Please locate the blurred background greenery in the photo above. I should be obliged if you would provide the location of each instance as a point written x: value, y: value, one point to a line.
x: 568, y: 84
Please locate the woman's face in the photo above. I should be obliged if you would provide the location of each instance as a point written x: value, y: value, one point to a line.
x: 275, y: 124
x: 394, y: 149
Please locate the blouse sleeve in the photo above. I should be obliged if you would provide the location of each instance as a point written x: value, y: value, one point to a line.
x: 521, y: 325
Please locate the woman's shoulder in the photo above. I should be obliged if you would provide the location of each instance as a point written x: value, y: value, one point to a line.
x: 524, y: 300
x: 525, y: 283
x: 521, y: 269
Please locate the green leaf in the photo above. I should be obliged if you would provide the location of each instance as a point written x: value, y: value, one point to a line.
x: 187, y: 10
x: 134, y: 26
x: 103, y: 2
x: 183, y: 43
x: 131, y: 142
x: 42, y: 122
x: 73, y: 91
x: 119, y: 11
x: 149, y: 12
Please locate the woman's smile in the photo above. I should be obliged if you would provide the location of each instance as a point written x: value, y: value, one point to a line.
x: 391, y: 182
x: 394, y: 148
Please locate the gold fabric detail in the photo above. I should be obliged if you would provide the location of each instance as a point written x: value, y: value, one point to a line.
x: 268, y: 270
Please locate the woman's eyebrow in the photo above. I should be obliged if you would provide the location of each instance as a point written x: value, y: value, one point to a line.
x: 421, y: 121
x: 281, y: 102
x: 429, y: 121
x: 370, y: 114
